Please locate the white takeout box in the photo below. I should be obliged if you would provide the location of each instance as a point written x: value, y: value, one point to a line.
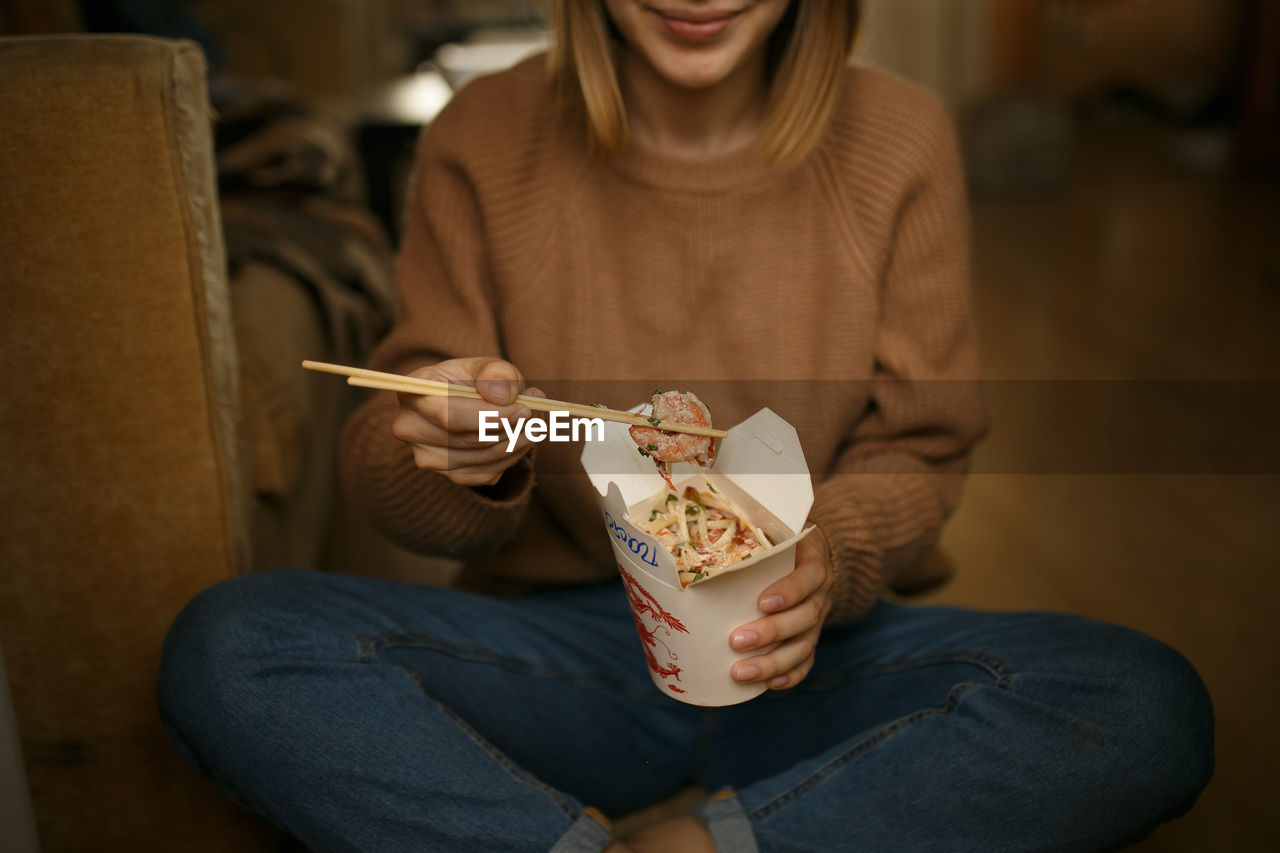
x: 685, y: 632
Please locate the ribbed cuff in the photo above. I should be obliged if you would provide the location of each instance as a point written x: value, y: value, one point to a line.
x: 590, y: 833
x: 873, y: 524
x: 728, y: 823
x: 854, y: 557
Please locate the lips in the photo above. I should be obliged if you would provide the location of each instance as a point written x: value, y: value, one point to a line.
x: 696, y: 25
x: 697, y: 16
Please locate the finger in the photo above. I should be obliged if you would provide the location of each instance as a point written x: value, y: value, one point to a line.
x: 485, y: 475
x: 782, y: 660
x: 443, y: 459
x: 455, y: 421
x: 496, y: 433
x: 803, y: 581
x: 779, y: 626
x: 466, y: 371
x: 790, y: 679
x: 412, y: 428
x: 498, y: 381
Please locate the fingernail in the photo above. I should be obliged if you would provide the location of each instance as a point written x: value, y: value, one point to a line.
x: 780, y: 681
x: 745, y: 639
x: 771, y: 603
x: 746, y: 672
x: 499, y: 390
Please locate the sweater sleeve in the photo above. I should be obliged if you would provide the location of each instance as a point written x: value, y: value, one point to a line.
x: 898, y: 476
x: 446, y: 311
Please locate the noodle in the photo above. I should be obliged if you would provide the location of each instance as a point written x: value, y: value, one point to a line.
x: 704, y: 532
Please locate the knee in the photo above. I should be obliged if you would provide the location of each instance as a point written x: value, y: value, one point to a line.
x: 1162, y: 717
x: 215, y: 644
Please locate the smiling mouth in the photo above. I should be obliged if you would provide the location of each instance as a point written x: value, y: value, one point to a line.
x: 694, y: 17
x: 696, y: 26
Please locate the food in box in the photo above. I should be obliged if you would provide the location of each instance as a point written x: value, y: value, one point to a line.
x: 684, y: 627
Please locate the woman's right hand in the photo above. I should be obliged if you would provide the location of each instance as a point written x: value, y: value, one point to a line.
x: 444, y: 432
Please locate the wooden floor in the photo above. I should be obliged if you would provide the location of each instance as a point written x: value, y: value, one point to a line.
x: 1140, y: 272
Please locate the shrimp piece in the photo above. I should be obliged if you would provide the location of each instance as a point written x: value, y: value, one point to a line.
x: 681, y: 408
x: 665, y: 448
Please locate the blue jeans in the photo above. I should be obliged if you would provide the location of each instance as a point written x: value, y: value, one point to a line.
x: 365, y: 715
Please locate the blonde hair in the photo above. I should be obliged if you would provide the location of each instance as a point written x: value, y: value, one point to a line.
x: 806, y: 57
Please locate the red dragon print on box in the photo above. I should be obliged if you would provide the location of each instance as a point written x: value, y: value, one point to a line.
x: 645, y: 608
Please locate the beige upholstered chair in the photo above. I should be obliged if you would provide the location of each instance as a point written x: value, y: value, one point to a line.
x: 122, y: 488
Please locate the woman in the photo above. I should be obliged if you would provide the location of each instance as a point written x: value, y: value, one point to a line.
x: 698, y: 195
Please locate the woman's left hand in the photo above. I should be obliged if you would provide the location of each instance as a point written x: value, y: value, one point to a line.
x: 796, y: 606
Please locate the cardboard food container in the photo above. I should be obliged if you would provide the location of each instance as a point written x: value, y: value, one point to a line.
x: 685, y: 632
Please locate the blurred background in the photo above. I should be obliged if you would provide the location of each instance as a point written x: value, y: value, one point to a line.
x: 1124, y: 166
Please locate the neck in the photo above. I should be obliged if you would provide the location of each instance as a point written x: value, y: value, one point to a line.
x: 693, y: 123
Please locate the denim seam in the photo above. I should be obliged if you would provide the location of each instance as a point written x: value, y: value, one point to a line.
x: 818, y: 776
x: 993, y: 666
x: 480, y: 654
x: 518, y: 773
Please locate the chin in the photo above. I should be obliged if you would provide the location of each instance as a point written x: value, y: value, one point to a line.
x: 694, y: 73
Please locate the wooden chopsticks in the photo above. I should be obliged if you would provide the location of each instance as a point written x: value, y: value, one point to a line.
x: 364, y: 378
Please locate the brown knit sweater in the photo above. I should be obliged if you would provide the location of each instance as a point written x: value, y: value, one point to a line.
x: 835, y: 293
